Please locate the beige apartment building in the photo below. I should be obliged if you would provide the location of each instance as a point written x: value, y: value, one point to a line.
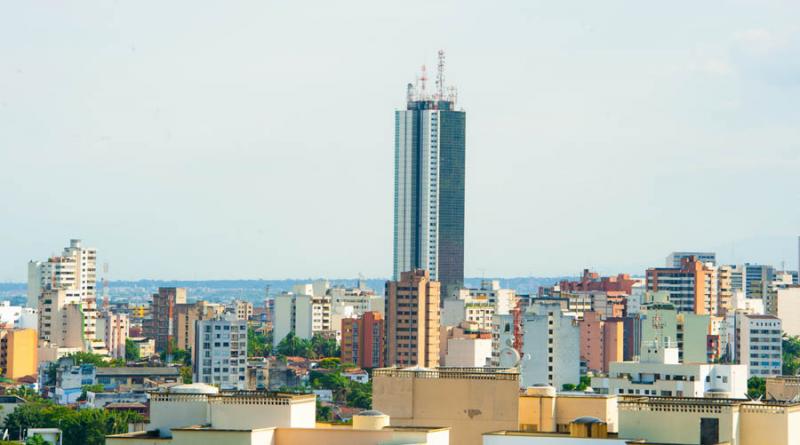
x: 412, y: 320
x: 471, y: 401
x: 184, y: 317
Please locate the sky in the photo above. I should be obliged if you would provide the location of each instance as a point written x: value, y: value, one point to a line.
x: 254, y: 139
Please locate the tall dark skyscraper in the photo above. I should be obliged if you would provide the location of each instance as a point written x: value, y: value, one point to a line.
x: 429, y: 149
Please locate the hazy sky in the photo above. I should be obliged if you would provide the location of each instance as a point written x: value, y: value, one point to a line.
x: 200, y: 140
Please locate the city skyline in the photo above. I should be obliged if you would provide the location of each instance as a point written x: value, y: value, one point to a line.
x: 587, y: 148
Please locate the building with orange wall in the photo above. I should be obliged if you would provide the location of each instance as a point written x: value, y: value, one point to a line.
x: 412, y: 320
x: 363, y: 340
x: 18, y: 352
x: 602, y: 340
x: 691, y: 287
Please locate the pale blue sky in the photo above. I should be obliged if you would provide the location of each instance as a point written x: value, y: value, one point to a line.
x: 196, y: 139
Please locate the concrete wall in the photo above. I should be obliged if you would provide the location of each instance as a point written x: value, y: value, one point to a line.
x: 470, y: 407
x: 677, y: 424
x: 239, y: 414
x: 181, y: 411
x: 769, y: 425
x: 498, y: 439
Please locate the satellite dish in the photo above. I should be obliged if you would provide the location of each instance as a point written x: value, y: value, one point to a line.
x: 509, y: 342
x: 509, y: 358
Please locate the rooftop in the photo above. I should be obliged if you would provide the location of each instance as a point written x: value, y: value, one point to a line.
x: 138, y: 371
x: 449, y: 373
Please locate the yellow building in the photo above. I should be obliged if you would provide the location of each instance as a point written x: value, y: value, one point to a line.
x: 783, y: 388
x: 541, y: 409
x: 18, y: 353
x: 471, y: 401
x: 201, y: 414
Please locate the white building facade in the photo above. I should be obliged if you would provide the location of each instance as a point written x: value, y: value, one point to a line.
x: 221, y: 357
x: 550, y: 346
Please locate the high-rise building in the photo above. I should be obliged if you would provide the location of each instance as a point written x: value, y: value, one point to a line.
x: 162, y: 311
x: 429, y: 149
x: 412, y: 320
x: 363, y: 340
x: 692, y: 287
x: 602, y: 340
x: 221, y: 346
x: 758, y: 279
x: 75, y: 272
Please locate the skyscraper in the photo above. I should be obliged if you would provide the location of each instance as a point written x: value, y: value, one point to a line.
x: 429, y: 184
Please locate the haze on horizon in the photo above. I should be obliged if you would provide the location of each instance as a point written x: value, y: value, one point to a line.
x: 190, y: 140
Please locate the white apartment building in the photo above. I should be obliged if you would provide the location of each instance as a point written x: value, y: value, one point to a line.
x: 17, y: 316
x: 301, y: 313
x: 360, y: 300
x: 503, y: 300
x: 75, y: 271
x: 659, y: 373
x: 468, y: 352
x: 758, y: 344
x: 550, y: 346
x: 221, y: 346
x: 502, y: 336
x: 464, y: 308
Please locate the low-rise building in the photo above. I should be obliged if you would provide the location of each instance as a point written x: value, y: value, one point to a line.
x: 136, y: 378
x: 543, y: 409
x: 471, y: 401
x: 198, y: 413
x: 659, y: 373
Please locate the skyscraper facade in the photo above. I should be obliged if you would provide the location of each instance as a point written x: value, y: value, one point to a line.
x: 429, y: 185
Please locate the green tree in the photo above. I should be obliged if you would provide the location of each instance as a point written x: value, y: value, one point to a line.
x: 791, y: 355
x: 756, y: 387
x: 80, y: 427
x: 90, y: 388
x: 186, y: 374
x: 325, y: 347
x: 98, y: 360
x: 292, y: 345
x: 258, y: 344
x: 330, y: 363
x: 36, y: 439
x: 324, y: 413
x: 360, y: 395
x: 131, y: 351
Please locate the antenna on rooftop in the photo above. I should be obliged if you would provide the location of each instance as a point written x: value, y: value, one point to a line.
x: 440, y: 76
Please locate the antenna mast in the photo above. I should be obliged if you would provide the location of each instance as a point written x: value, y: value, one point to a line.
x: 423, y: 78
x: 440, y: 76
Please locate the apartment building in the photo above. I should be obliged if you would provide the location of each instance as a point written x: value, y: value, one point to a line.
x: 113, y: 329
x: 242, y: 309
x: 602, y: 340
x: 758, y: 344
x: 550, y: 346
x: 18, y: 353
x: 363, y: 341
x: 75, y: 273
x: 787, y: 304
x: 302, y: 314
x: 412, y: 320
x: 503, y: 300
x: 692, y: 287
x: 658, y: 372
x: 61, y: 318
x: 675, y: 259
x: 184, y: 322
x: 221, y: 357
x: 160, y: 326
